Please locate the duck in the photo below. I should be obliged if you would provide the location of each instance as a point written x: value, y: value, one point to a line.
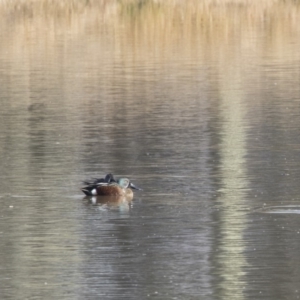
x: 107, y: 179
x: 109, y: 186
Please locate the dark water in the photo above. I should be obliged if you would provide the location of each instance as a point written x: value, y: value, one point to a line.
x: 197, y: 104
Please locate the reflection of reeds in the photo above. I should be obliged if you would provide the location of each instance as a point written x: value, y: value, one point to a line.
x: 169, y: 15
x: 125, y: 32
x: 152, y: 21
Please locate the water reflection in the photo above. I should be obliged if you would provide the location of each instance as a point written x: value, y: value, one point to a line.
x: 229, y: 257
x: 196, y: 102
x: 123, y: 204
x: 281, y: 209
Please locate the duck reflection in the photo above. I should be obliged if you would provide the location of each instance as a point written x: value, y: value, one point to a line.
x: 123, y: 203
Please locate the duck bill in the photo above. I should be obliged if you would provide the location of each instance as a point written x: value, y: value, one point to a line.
x: 134, y: 187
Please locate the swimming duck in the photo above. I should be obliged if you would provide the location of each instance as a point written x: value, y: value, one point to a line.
x: 109, y: 186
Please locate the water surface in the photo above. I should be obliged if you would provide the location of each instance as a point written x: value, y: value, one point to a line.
x: 197, y: 103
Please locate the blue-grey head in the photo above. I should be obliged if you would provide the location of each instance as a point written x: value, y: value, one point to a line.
x: 125, y: 183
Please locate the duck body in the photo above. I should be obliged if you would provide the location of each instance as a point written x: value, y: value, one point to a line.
x: 109, y: 186
x: 109, y: 178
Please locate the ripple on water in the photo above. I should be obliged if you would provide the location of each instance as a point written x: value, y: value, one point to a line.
x: 281, y: 209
